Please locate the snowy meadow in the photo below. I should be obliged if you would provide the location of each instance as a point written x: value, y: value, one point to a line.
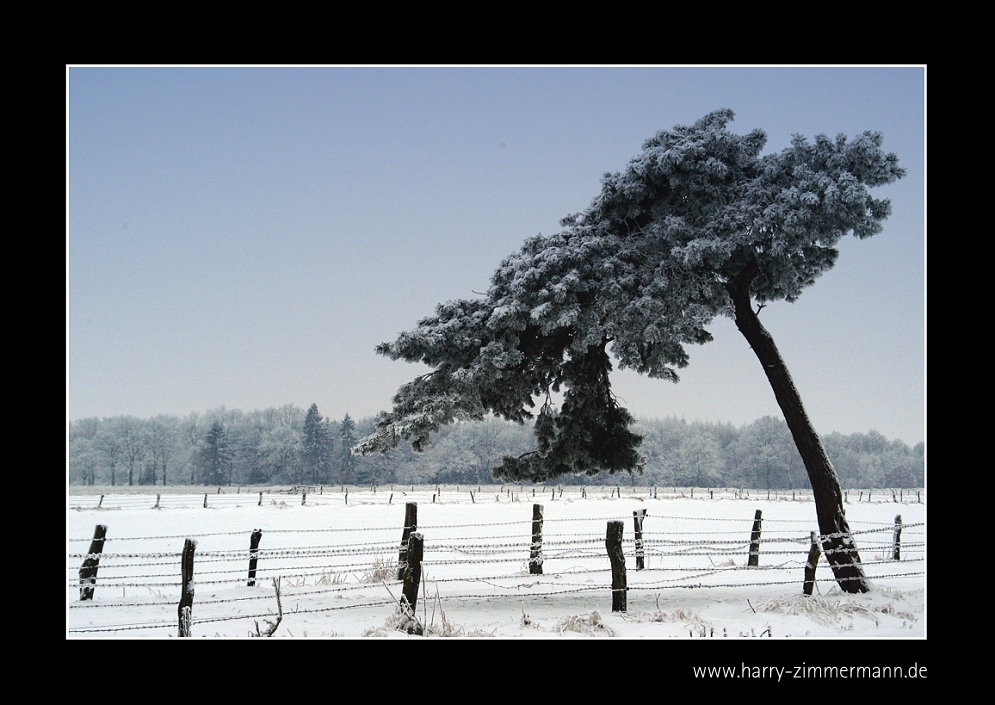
x: 334, y: 554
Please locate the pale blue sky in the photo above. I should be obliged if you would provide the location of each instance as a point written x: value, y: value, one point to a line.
x: 246, y: 236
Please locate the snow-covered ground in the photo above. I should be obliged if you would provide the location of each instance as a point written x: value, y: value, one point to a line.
x: 336, y: 556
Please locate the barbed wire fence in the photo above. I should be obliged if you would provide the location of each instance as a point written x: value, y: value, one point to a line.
x: 357, y: 568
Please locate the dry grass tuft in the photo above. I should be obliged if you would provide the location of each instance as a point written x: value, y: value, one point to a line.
x: 589, y: 624
x: 690, y: 618
x: 380, y: 571
x: 825, y: 610
x: 331, y: 579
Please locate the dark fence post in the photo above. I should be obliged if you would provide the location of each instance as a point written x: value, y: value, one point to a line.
x: 412, y: 573
x: 613, y: 542
x: 260, y: 500
x: 88, y: 571
x: 897, y: 553
x: 254, y: 555
x: 637, y: 520
x: 205, y: 501
x: 185, y: 608
x: 755, y: 541
x: 813, y: 561
x: 535, y: 557
x: 410, y: 524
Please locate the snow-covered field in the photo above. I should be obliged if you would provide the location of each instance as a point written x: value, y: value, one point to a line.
x: 336, y: 556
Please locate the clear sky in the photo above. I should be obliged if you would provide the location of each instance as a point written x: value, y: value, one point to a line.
x: 246, y: 236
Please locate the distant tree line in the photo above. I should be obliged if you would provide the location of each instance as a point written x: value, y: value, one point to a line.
x: 294, y: 446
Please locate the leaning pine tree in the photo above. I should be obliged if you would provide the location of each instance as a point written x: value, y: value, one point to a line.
x: 698, y: 225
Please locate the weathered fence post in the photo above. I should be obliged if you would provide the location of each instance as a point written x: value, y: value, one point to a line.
x: 897, y: 553
x: 254, y: 555
x: 412, y: 572
x: 303, y: 497
x: 101, y: 502
x: 205, y: 501
x: 260, y: 500
x: 88, y: 571
x: 813, y: 561
x: 613, y: 542
x: 410, y: 525
x: 755, y: 541
x: 157, y: 498
x: 637, y: 520
x: 185, y: 608
x: 535, y: 556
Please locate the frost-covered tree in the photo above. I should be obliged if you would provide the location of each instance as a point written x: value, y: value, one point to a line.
x: 764, y: 452
x: 699, y: 224
x: 315, y: 452
x: 214, y: 456
x: 347, y: 436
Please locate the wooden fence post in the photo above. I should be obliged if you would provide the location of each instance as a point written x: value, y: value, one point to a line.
x: 205, y: 501
x: 88, y: 571
x: 260, y: 500
x: 613, y: 542
x: 412, y: 573
x: 535, y: 556
x: 157, y: 498
x: 755, y: 541
x: 410, y: 525
x: 185, y: 608
x: 637, y: 520
x: 254, y: 555
x: 813, y: 561
x: 303, y: 497
x: 897, y: 553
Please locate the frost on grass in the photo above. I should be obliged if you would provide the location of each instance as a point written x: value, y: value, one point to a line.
x: 380, y: 571
x: 831, y: 610
x: 689, y: 618
x: 588, y: 624
x: 403, y: 621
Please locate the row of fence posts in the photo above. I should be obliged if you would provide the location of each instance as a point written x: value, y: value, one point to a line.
x: 899, y: 497
x: 409, y: 559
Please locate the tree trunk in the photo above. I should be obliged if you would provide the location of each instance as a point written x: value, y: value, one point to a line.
x: 837, y: 542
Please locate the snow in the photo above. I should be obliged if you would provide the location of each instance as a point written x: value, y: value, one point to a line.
x: 336, y: 559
